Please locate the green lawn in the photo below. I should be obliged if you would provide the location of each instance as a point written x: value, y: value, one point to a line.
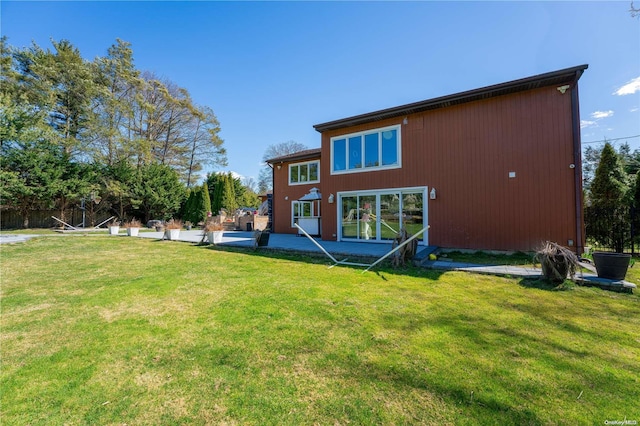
x: 117, y: 330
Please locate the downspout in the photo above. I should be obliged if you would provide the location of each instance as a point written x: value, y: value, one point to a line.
x: 577, y: 161
x: 270, y: 212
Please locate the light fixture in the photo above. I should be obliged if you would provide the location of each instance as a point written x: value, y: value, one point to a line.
x: 279, y: 166
x: 330, y: 199
x: 432, y: 194
x: 563, y: 89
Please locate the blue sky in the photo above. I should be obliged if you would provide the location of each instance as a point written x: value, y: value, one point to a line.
x: 271, y: 70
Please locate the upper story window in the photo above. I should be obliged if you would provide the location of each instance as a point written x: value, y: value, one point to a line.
x: 366, y: 151
x: 302, y: 173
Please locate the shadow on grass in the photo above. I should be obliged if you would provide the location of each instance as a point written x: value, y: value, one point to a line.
x: 317, y: 258
x: 543, y: 284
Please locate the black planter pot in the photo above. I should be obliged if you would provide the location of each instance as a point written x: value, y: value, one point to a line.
x: 611, y: 265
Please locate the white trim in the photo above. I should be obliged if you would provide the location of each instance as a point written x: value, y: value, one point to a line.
x: 380, y: 130
x: 382, y: 191
x: 314, y: 214
x: 306, y: 182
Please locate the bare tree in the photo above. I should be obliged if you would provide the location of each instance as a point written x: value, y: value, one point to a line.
x: 265, y: 180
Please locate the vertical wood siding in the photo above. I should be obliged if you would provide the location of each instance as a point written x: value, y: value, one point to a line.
x: 466, y: 153
x: 284, y: 194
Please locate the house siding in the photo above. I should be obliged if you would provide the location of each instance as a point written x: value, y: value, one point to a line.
x: 284, y: 194
x: 466, y: 152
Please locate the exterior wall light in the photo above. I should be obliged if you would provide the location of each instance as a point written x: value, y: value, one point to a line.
x: 331, y: 199
x: 432, y: 194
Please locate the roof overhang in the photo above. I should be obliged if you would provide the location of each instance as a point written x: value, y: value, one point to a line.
x: 560, y: 77
x: 296, y: 156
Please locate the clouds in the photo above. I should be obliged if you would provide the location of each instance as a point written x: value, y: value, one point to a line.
x: 596, y: 116
x: 587, y: 123
x: 601, y: 114
x: 629, y: 88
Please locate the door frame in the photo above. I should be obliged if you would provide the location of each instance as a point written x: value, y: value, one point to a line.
x: 377, y: 192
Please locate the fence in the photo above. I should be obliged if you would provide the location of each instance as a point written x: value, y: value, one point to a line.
x: 12, y: 219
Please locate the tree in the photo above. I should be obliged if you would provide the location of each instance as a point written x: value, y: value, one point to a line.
x: 206, y: 202
x: 205, y: 144
x: 635, y: 209
x: 215, y: 183
x: 229, y: 202
x: 118, y: 81
x: 591, y: 159
x: 607, y: 216
x: 198, y: 205
x: 157, y: 191
x: 265, y: 179
x: 32, y: 176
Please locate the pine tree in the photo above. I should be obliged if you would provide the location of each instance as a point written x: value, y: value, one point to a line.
x: 607, y: 216
x: 206, y: 202
x: 229, y: 202
x: 635, y: 209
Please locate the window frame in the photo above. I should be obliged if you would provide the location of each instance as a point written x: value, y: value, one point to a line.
x: 303, y: 163
x: 363, y: 141
x: 312, y: 211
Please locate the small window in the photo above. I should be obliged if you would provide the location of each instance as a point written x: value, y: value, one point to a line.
x: 308, y: 172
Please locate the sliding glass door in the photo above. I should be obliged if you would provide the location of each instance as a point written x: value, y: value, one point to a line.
x: 379, y: 215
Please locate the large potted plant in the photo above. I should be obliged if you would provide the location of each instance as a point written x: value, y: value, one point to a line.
x: 132, y: 226
x: 607, y: 215
x: 114, y: 227
x: 214, y: 231
x: 173, y: 228
x: 557, y: 262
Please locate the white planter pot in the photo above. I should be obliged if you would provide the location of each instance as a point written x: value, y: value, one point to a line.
x: 173, y: 234
x: 132, y: 232
x: 114, y: 230
x: 215, y: 237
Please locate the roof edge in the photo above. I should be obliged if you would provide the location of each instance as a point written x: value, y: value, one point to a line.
x: 300, y: 155
x: 566, y: 75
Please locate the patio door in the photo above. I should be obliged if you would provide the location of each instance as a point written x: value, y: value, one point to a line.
x: 378, y: 216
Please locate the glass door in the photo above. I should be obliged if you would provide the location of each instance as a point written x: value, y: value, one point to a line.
x: 379, y: 215
x: 349, y: 217
x: 367, y: 217
x: 390, y: 220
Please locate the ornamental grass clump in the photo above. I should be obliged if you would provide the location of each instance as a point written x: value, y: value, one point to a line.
x: 133, y: 223
x: 557, y: 262
x: 213, y: 225
x: 174, y: 224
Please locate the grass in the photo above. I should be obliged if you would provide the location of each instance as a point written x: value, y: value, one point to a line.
x: 99, y: 330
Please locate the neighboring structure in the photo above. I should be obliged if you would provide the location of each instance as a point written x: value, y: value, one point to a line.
x: 495, y: 168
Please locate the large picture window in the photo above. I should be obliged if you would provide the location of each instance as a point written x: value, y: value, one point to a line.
x: 366, y: 151
x: 301, y: 173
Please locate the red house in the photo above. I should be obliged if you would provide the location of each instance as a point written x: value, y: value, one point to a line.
x: 495, y: 168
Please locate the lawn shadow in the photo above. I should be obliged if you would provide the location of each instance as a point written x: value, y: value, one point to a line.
x: 381, y: 270
x: 544, y: 284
